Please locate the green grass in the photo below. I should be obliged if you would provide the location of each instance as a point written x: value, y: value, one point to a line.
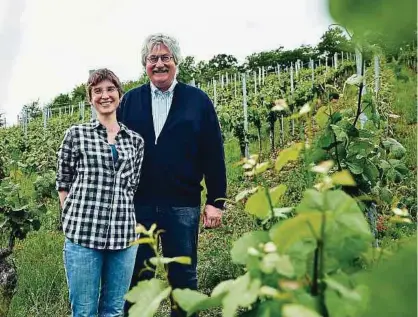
x: 405, y: 131
x: 41, y: 289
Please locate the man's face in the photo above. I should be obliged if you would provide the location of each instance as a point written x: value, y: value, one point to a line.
x: 160, y: 67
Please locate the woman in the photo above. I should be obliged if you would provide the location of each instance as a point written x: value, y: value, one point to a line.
x: 99, y: 165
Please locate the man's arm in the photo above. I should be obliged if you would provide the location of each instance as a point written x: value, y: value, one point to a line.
x: 120, y: 110
x: 214, y: 169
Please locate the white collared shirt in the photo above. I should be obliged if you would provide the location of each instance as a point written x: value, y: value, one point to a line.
x: 161, y: 103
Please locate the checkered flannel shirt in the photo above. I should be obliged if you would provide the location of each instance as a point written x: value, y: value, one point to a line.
x: 98, y: 211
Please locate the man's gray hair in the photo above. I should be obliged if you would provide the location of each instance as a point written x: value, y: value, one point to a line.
x: 159, y: 38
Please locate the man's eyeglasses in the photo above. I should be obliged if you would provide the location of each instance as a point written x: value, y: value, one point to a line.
x: 153, y: 59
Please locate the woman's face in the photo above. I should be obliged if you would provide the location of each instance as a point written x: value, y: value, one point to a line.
x: 105, y: 97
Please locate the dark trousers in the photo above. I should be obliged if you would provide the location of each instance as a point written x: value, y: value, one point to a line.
x: 180, y: 238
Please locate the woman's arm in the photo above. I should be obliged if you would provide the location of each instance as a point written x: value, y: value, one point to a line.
x: 62, y: 195
x: 65, y: 166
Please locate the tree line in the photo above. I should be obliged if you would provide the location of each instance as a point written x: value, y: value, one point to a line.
x: 334, y: 40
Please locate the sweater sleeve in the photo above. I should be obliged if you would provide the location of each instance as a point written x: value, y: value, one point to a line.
x: 120, y: 111
x: 213, y: 157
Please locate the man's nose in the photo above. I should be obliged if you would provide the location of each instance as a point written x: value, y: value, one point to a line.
x: 159, y: 62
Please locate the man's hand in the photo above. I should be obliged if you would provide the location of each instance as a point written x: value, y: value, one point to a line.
x: 212, y: 217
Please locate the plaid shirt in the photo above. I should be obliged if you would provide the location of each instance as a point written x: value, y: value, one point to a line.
x: 98, y: 211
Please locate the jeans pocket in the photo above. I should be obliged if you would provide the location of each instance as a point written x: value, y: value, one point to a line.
x: 186, y: 215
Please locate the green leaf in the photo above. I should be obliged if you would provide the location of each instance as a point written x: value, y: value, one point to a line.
x: 296, y: 310
x: 326, y: 140
x: 360, y: 147
x: 384, y: 165
x: 355, y: 80
x: 396, y: 149
x: 145, y: 240
x: 240, y: 196
x: 355, y: 166
x: 301, y: 255
x: 340, y: 133
x: 393, y: 21
x: 343, y: 178
x: 262, y: 167
x: 241, y: 292
x: 269, y: 262
x: 321, y: 117
x: 147, y: 296
x: 341, y: 301
x: 312, y: 201
x: 192, y: 301
x: 371, y: 172
x: 342, y: 290
x: 290, y: 231
x: 336, y: 117
x: 178, y: 259
x: 281, y: 212
x: 268, y: 308
x: 239, y: 251
x: 347, y: 233
x: 399, y: 166
x: 274, y: 262
x: 222, y: 288
x: 317, y: 155
x: 276, y: 193
x: 393, y: 283
x: 287, y: 155
x: 258, y: 204
x: 285, y: 267
x: 386, y: 195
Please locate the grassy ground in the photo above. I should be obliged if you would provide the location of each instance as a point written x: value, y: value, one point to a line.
x: 42, y: 289
x: 405, y: 131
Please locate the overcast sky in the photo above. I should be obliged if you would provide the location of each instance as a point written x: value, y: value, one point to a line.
x: 48, y: 46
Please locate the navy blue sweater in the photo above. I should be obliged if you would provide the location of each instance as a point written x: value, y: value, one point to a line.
x: 189, y: 147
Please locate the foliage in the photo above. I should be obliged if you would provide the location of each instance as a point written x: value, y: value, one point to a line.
x: 18, y: 215
x: 332, y: 151
x: 304, y: 264
x: 395, y: 23
x: 334, y: 41
x: 187, y: 69
x: 280, y: 56
x: 61, y: 100
x: 31, y: 111
x: 221, y: 62
x: 78, y: 94
x: 2, y: 120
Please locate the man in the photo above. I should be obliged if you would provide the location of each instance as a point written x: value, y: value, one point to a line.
x: 183, y: 144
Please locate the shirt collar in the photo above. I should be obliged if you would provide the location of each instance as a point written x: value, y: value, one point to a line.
x: 95, y: 124
x: 170, y: 90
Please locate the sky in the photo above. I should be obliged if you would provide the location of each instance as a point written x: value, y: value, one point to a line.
x: 47, y: 47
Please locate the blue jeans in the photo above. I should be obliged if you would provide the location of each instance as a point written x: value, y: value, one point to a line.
x: 180, y: 238
x: 97, y: 279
